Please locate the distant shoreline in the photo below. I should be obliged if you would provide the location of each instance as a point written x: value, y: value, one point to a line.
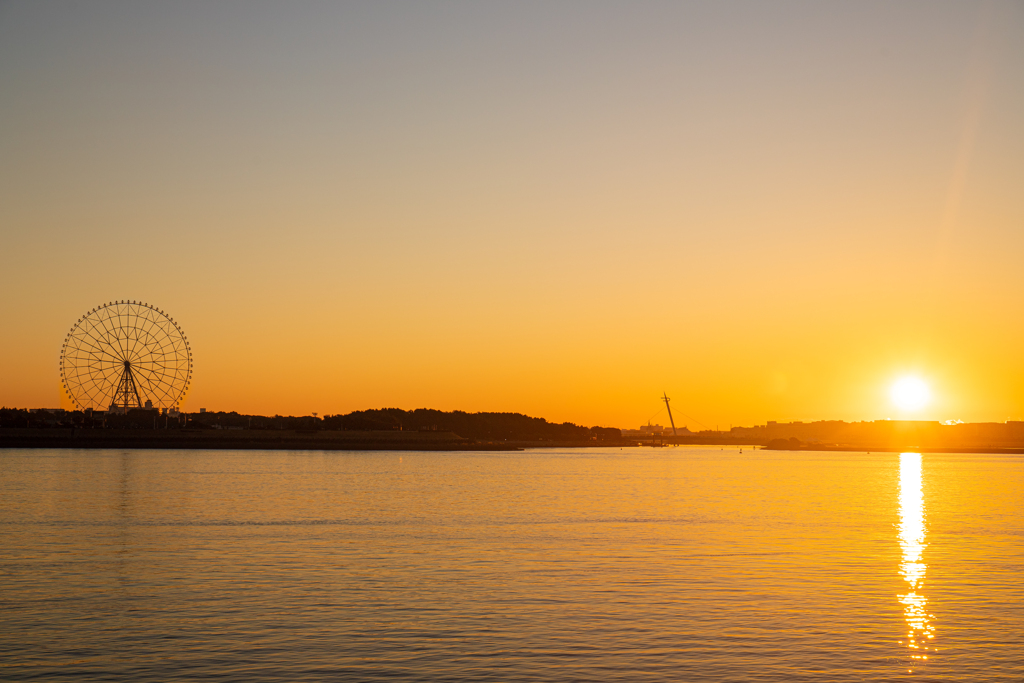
x: 393, y: 440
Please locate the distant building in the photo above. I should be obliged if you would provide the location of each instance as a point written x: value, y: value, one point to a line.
x: 653, y: 430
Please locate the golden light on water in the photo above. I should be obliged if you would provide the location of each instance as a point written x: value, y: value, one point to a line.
x: 920, y: 630
x: 910, y: 393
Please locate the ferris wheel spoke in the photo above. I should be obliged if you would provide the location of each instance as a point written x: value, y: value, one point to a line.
x: 145, y: 388
x: 86, y: 336
x: 151, y: 330
x: 159, y: 391
x: 83, y: 355
x: 122, y: 339
x: 111, y: 333
x: 154, y: 355
x: 162, y: 391
x: 97, y: 345
x: 167, y: 350
x: 136, y: 328
x: 154, y: 347
x: 83, y: 363
x: 153, y: 364
x: 102, y: 321
x: 122, y: 345
x: 121, y: 326
x: 158, y: 375
x: 146, y: 373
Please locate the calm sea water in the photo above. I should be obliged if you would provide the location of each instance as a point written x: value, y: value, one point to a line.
x: 689, y: 564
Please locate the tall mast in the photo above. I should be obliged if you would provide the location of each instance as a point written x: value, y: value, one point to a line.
x: 671, y: 421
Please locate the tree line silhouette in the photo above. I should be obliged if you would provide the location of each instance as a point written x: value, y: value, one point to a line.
x: 478, y: 426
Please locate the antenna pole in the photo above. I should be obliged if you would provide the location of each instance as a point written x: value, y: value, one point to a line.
x: 671, y: 421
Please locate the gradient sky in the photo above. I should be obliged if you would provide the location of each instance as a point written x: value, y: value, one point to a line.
x: 769, y: 210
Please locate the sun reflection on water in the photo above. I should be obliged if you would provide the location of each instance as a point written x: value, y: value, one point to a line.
x: 920, y: 630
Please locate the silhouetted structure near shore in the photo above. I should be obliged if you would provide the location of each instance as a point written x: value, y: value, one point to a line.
x: 910, y: 435
x: 878, y: 435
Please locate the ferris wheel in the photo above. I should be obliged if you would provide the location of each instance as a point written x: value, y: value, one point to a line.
x: 123, y: 355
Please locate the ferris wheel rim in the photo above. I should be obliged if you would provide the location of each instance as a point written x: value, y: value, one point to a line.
x: 126, y: 336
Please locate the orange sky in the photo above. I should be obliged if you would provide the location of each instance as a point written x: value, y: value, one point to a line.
x: 769, y: 212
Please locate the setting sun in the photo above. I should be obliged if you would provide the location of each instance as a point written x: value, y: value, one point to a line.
x: 910, y: 393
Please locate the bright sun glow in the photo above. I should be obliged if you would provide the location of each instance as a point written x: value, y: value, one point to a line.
x: 910, y: 393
